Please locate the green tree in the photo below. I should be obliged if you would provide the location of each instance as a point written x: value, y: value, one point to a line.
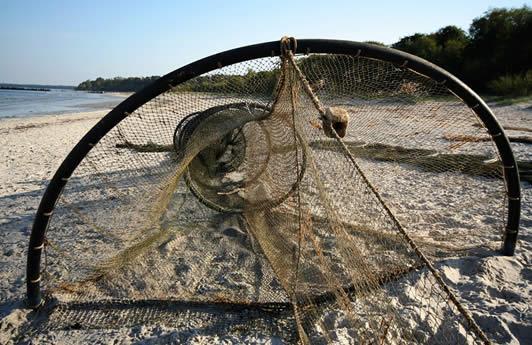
x: 501, y: 44
x: 422, y: 45
x: 452, y: 42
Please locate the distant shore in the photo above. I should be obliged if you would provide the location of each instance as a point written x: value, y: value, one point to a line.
x: 23, y: 88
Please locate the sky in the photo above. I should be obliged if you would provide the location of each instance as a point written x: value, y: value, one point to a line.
x: 67, y: 42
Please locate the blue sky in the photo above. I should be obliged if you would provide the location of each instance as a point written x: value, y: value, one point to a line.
x: 66, y: 42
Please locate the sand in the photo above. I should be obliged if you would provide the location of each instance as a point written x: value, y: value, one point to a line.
x: 496, y: 288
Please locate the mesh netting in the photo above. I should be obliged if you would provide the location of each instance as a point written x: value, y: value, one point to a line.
x: 221, y: 205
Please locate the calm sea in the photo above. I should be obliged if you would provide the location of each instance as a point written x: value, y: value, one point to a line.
x: 18, y: 103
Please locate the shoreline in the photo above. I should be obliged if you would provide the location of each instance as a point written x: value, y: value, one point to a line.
x: 26, y: 122
x: 63, y: 105
x: 54, y: 114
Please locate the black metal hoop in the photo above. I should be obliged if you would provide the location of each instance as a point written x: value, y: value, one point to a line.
x: 213, y: 62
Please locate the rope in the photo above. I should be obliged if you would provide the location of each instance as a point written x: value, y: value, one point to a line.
x: 287, y: 44
x: 300, y: 229
x: 288, y: 55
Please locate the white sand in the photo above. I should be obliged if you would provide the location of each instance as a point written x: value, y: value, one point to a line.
x: 497, y: 288
x: 31, y: 149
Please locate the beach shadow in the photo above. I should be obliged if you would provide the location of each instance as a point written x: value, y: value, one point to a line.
x: 186, y: 318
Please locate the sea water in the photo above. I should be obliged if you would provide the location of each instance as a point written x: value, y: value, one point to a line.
x: 21, y: 103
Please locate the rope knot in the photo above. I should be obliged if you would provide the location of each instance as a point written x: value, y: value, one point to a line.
x: 288, y: 44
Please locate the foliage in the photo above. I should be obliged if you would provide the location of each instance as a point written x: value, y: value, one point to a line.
x: 500, y: 44
x: 512, y: 85
x: 420, y: 45
x: 116, y: 84
x: 253, y: 82
x: 494, y: 56
x: 445, y: 47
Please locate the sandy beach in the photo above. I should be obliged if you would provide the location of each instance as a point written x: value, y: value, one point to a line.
x: 175, y: 173
x: 497, y: 289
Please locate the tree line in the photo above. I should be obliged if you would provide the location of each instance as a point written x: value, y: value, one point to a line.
x: 494, y: 57
x: 117, y: 84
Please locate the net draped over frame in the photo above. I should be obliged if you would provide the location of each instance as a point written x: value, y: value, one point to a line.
x: 222, y: 203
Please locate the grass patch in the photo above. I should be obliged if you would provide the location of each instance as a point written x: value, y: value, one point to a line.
x: 505, y: 100
x: 515, y: 85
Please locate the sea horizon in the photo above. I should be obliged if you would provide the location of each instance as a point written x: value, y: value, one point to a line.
x: 36, y: 85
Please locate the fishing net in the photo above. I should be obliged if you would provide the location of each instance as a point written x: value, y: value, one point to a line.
x: 236, y: 204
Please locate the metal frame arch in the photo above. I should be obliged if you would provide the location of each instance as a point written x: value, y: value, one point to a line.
x: 262, y: 50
